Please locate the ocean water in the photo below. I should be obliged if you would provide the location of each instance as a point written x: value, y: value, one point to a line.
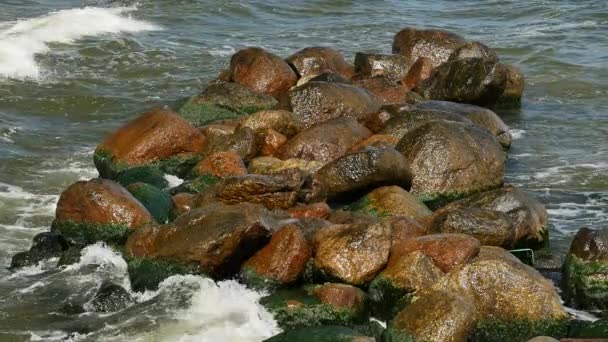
x: 71, y: 71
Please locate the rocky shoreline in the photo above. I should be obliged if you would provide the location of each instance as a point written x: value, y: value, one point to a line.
x: 344, y: 191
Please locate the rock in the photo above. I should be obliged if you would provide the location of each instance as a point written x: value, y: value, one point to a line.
x: 325, y: 333
x: 281, y: 121
x: 438, y: 316
x: 406, y: 120
x: 110, y: 297
x: 394, y: 287
x: 217, y: 237
x: 490, y: 227
x: 195, y: 186
x: 447, y: 251
x: 221, y: 165
x: 437, y: 45
x: 146, y: 274
x: 391, y: 201
x: 280, y: 262
x: 316, y: 102
x: 158, y: 202
x: 98, y: 210
x: 420, y: 71
x: 352, y: 217
x: 316, y: 60
x: 376, y: 121
x: 144, y: 174
x: 326, y: 77
x: 70, y: 256
x: 320, y: 210
x: 157, y: 139
x: 224, y: 101
x: 213, y: 131
x: 183, y: 202
x: 450, y: 160
x: 271, y: 142
x: 543, y: 339
x: 404, y: 228
x: 474, y: 50
x: 480, y: 116
x: 378, y: 141
x: 513, y: 87
x: 44, y: 246
x: 243, y: 142
x: 587, y: 329
x: 352, y: 253
x: 326, y: 141
x: 262, y: 71
x: 271, y: 165
x: 318, y: 305
x: 372, y: 65
x: 361, y: 171
x: 384, y: 88
x: 528, y: 216
x: 271, y: 191
x: 585, y: 271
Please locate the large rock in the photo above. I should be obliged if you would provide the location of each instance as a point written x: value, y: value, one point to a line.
x: 372, y: 65
x: 158, y: 138
x: 353, y: 254
x: 270, y: 191
x: 224, y: 101
x: 420, y: 71
x: 281, y: 121
x: 326, y: 141
x: 243, y: 141
x: 280, y: 262
x: 585, y: 271
x: 361, y: 171
x: 221, y: 165
x: 391, y: 201
x: 437, y: 45
x: 217, y: 238
x: 262, y: 71
x: 480, y: 116
x: 513, y: 88
x: 157, y: 201
x: 474, y: 50
x: 450, y: 160
x: 98, y: 210
x: 407, y: 120
x: 271, y: 165
x: 316, y: 60
x: 44, y: 246
x: 385, y: 88
x: 317, y: 102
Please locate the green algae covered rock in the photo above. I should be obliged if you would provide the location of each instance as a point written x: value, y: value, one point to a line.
x: 144, y: 174
x: 70, y: 256
x: 518, y: 330
x: 85, y: 233
x: 157, y: 202
x: 196, y: 185
x: 146, y: 274
x: 390, y: 201
x: 326, y: 333
x: 587, y: 329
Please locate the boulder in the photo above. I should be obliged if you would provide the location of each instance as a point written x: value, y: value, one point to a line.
x: 474, y: 50
x: 44, y: 246
x: 262, y: 71
x: 437, y: 45
x: 326, y: 141
x: 354, y: 254
x: 271, y: 142
x: 271, y: 165
x: 271, y: 191
x: 361, y: 171
x: 450, y: 160
x: 391, y: 201
x: 513, y: 87
x: 244, y: 142
x: 320, y: 210
x: 217, y: 237
x: 158, y: 202
x: 420, y: 71
x: 324, y: 333
x: 384, y: 88
x: 281, y: 121
x: 110, y: 297
x: 157, y: 139
x: 317, y: 102
x: 406, y: 120
x: 146, y: 274
x: 224, y: 101
x: 405, y: 228
x: 221, y: 165
x: 98, y: 210
x: 316, y: 60
x: 280, y: 262
x: 371, y: 65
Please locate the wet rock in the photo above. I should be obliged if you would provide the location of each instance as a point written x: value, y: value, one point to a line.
x: 404, y: 228
x: 376, y: 121
x: 280, y: 262
x: 450, y: 160
x: 146, y: 274
x: 352, y: 217
x: 394, y: 287
x: 353, y: 253
x: 70, y: 256
x: 361, y: 171
x: 182, y: 203
x: 221, y: 165
x: 195, y: 186
x: 420, y: 71
x: 585, y: 271
x: 513, y: 86
x: 326, y: 77
x: 391, y: 201
x: 320, y: 210
x: 528, y: 215
x: 490, y: 227
x: 216, y: 130
x: 262, y: 71
x: 378, y: 141
x: 480, y: 116
x: 311, y: 225
x: 243, y: 142
x: 447, y: 251
x: 384, y: 88
x: 588, y: 330
x: 325, y: 333
x: 474, y: 50
x: 318, y: 305
x: 437, y: 45
x: 144, y: 174
x: 317, y: 102
x: 157, y: 139
x: 44, y: 246
x: 325, y: 142
x: 438, y: 316
x: 406, y: 120
x: 157, y: 202
x: 271, y: 142
x: 224, y: 101
x: 270, y: 191
x: 543, y: 339
x: 217, y: 237
x: 98, y: 210
x: 316, y: 60
x: 271, y: 165
x: 372, y: 65
x: 281, y: 121
x: 110, y: 298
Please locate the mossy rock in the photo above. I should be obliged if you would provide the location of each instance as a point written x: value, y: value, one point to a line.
x: 585, y: 283
x: 157, y: 202
x: 364, y: 205
x: 84, y: 233
x: 201, y: 114
x: 586, y: 329
x: 396, y: 335
x: 143, y: 174
x: 300, y: 308
x: 327, y: 333
x: 146, y: 274
x: 195, y: 186
x: 387, y: 299
x: 70, y: 256
x: 256, y: 281
x: 518, y: 331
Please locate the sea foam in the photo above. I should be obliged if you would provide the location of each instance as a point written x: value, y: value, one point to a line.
x: 21, y: 41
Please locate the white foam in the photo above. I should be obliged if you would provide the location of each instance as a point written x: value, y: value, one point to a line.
x: 20, y: 42
x: 517, y: 133
x: 225, y: 51
x: 173, y: 180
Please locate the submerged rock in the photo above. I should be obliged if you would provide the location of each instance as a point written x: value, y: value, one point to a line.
x: 316, y: 60
x: 110, y: 297
x: 437, y: 45
x: 44, y: 246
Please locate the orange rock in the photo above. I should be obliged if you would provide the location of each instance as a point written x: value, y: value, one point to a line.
x: 221, y: 164
x: 182, y: 203
x: 420, y: 71
x: 319, y: 210
x: 385, y: 88
x: 340, y: 295
x: 376, y: 140
x: 435, y: 44
x: 271, y: 142
x: 405, y: 228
